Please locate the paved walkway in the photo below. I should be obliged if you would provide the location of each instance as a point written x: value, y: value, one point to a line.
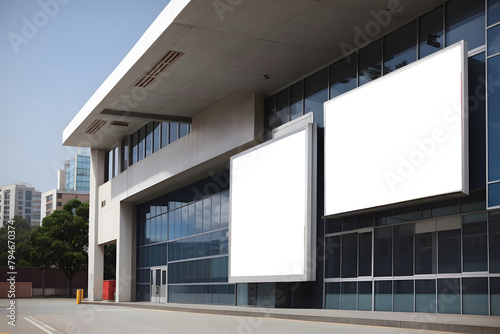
x: 422, y: 321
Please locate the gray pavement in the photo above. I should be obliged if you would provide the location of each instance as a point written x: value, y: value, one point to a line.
x: 54, y: 316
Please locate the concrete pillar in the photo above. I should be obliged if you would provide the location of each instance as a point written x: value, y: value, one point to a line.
x: 125, y: 270
x: 96, y: 252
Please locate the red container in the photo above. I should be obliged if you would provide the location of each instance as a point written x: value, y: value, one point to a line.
x: 108, y: 289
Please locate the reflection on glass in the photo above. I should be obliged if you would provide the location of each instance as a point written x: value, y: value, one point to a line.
x: 332, y: 257
x: 494, y: 119
x: 465, y: 20
x: 431, y: 32
x: 349, y: 255
x: 282, y: 107
x: 425, y: 296
x: 494, y: 226
x: 383, y: 296
x: 315, y: 94
x: 493, y: 11
x: 475, y: 242
x: 403, y: 296
x: 343, y: 76
x: 296, y: 100
x: 332, y: 296
x: 495, y: 295
x: 348, y: 295
x: 403, y: 250
x: 475, y: 296
x: 425, y: 253
x: 370, y: 62
x: 365, y: 296
x: 383, y: 251
x: 448, y: 296
x: 400, y: 47
x: 365, y: 254
x: 449, y: 251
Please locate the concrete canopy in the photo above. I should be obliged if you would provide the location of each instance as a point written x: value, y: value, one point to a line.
x: 232, y: 45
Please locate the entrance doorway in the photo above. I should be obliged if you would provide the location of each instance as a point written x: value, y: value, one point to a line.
x: 158, y: 285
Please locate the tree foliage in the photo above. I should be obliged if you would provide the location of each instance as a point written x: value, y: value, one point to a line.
x: 62, y: 239
x: 22, y: 232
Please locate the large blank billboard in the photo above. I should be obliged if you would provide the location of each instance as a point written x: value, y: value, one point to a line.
x: 272, y: 211
x: 399, y: 138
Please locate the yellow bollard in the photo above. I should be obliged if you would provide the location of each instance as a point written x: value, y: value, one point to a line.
x: 79, y: 296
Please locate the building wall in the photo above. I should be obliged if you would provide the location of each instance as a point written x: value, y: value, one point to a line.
x: 20, y: 199
x: 226, y: 127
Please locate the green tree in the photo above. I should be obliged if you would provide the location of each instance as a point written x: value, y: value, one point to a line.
x: 22, y: 233
x: 62, y: 240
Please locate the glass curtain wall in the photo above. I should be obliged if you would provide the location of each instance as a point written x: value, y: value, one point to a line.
x: 190, y: 237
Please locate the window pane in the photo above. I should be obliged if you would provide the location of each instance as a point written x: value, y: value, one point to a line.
x: 348, y: 295
x: 365, y: 296
x: 224, y: 207
x: 425, y: 296
x: 449, y: 251
x: 403, y: 296
x: 493, y: 11
x: 332, y: 257
x: 149, y: 139
x: 282, y: 107
x: 156, y: 136
x: 465, y: 20
x: 185, y: 221
x: 477, y: 121
x: 216, y: 212
x: 493, y: 40
x: 332, y: 296
x: 449, y: 295
x: 494, y: 223
x: 296, y: 100
x: 342, y: 76
x: 369, y: 62
x: 445, y: 208
x: 383, y: 296
x: 316, y: 93
x: 125, y: 155
x: 494, y: 194
x: 383, y: 251
x: 349, y: 255
x: 403, y: 250
x: 365, y: 254
x: 475, y: 242
x: 174, y: 132
x: 475, y: 296
x: 494, y: 120
x: 270, y: 113
x: 495, y: 295
x: 135, y: 147
x: 142, y: 140
x: 164, y: 133
x: 207, y: 212
x: 431, y: 32
x: 400, y: 47
x: 425, y: 253
x: 183, y: 129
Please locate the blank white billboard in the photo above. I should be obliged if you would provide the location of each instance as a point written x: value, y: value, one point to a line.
x: 399, y: 138
x: 272, y: 225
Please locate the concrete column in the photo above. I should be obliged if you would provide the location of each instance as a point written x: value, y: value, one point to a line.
x: 96, y: 252
x: 124, y: 254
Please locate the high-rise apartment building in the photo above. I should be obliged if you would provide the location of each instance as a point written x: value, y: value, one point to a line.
x: 20, y: 199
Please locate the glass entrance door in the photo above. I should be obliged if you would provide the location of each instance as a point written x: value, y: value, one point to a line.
x: 158, y: 285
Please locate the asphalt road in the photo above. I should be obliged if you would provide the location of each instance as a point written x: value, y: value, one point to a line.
x: 54, y: 316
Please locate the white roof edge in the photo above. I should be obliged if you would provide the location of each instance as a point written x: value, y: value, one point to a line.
x: 159, y: 25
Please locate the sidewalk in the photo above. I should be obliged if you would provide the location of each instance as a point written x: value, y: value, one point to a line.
x: 425, y: 321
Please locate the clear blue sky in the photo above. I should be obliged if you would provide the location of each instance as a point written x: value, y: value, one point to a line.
x: 54, y: 54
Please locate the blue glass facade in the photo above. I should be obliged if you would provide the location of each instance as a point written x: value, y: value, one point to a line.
x: 78, y: 176
x: 189, y: 235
